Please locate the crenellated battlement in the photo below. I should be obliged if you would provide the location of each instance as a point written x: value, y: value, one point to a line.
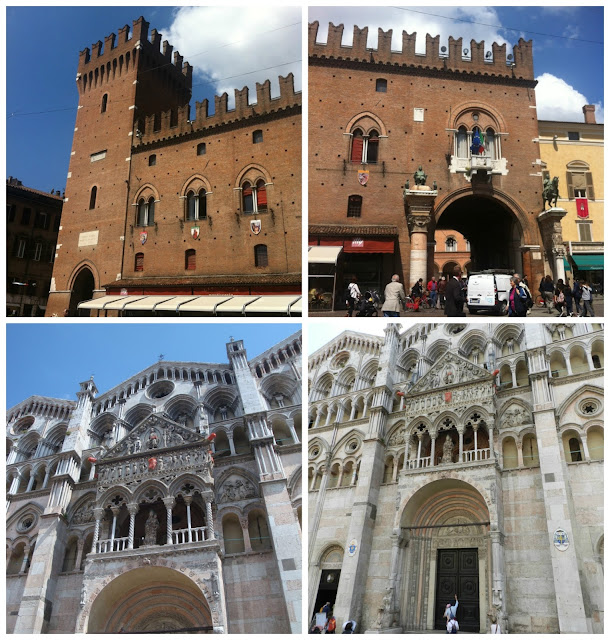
x: 121, y: 54
x: 520, y: 66
x: 176, y: 122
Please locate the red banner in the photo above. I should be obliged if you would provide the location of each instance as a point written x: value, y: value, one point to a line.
x: 582, y: 207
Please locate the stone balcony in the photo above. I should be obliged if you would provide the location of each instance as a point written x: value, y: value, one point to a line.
x: 476, y: 457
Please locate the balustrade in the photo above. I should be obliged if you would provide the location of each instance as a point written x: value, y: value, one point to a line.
x: 116, y: 544
x: 184, y: 536
x: 418, y: 463
x: 477, y: 454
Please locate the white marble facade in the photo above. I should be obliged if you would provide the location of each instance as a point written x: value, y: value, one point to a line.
x: 125, y: 514
x: 458, y: 458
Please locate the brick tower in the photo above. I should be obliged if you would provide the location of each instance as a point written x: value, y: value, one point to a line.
x: 120, y: 83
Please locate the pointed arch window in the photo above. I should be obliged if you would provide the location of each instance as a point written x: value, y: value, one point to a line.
x: 92, y: 197
x: 196, y: 205
x: 365, y: 147
x: 254, y: 197
x: 146, y: 212
x: 104, y: 102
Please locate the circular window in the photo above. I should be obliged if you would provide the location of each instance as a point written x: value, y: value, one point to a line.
x: 352, y: 446
x: 23, y: 425
x: 160, y: 389
x: 589, y: 407
x: 340, y: 360
x: 475, y: 117
x: 314, y: 451
x: 27, y: 522
x: 453, y: 329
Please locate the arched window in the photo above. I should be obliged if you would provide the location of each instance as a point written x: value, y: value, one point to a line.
x: 451, y: 244
x: 146, y: 212
x: 190, y: 260
x: 152, y: 159
x: 104, y: 102
x: 93, y: 198
x: 579, y: 180
x: 254, y: 197
x: 257, y: 136
x: 372, y: 147
x: 462, y: 142
x: 139, y: 262
x: 196, y: 208
x: 260, y: 539
x: 490, y: 143
x: 354, y: 206
x: 232, y: 534
x: 575, y: 450
x: 381, y: 85
x: 260, y: 256
x: 201, y: 149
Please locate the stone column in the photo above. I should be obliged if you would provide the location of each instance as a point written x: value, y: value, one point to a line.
x: 432, y: 447
x: 520, y: 455
x: 30, y: 482
x: 169, y: 503
x: 14, y: 484
x: 187, y: 501
x: 133, y: 509
x: 513, y: 373
x: 26, y: 556
x: 585, y: 448
x: 209, y: 520
x: 99, y: 514
x: 419, y: 202
x: 231, y: 443
x: 461, y: 452
x: 246, y: 533
x: 47, y: 475
x: 552, y: 239
x: 498, y: 595
x: 293, y: 431
x: 115, y: 513
x: 79, y: 554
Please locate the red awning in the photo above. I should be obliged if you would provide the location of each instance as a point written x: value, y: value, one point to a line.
x: 366, y: 245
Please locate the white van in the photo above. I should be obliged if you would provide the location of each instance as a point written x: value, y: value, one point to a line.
x: 488, y: 292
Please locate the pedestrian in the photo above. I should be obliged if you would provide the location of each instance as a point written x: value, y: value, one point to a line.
x: 331, y: 626
x: 352, y: 296
x: 517, y: 300
x: 547, y: 290
x: 559, y: 298
x: 569, y: 300
x: 433, y: 290
x: 442, y: 287
x: 529, y: 302
x: 349, y: 626
x: 495, y: 627
x: 452, y: 625
x: 326, y: 609
x: 587, y: 301
x: 577, y: 295
x: 454, y: 297
x: 394, y: 296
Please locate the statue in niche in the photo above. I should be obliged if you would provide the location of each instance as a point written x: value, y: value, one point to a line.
x: 447, y: 451
x: 448, y: 377
x: 150, y: 528
x: 153, y: 440
x: 137, y: 445
x: 182, y: 418
x: 223, y: 412
x: 107, y: 439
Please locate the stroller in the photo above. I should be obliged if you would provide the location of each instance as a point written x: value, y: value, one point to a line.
x: 369, y: 304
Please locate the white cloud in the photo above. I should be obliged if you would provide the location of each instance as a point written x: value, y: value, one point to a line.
x: 224, y: 44
x: 557, y: 100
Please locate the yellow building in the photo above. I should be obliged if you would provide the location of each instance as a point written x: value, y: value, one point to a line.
x: 574, y: 152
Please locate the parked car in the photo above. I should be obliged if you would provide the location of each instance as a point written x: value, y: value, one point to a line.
x: 488, y: 291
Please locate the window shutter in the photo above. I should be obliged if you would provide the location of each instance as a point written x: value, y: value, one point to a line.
x: 590, y: 192
x: 357, y: 144
x: 570, y: 185
x: 261, y: 196
x: 247, y: 191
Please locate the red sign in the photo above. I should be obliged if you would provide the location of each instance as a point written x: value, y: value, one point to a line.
x: 447, y: 396
x: 582, y: 207
x: 357, y: 242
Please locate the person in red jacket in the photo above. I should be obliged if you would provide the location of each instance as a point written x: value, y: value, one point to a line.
x: 433, y: 291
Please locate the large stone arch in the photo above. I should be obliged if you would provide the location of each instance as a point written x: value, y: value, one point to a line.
x: 147, y: 598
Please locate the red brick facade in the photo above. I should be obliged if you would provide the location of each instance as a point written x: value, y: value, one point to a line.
x: 137, y: 156
x: 413, y: 108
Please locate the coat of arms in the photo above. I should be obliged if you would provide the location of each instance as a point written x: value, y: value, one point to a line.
x: 195, y: 232
x: 143, y: 236
x: 255, y: 226
x: 363, y: 176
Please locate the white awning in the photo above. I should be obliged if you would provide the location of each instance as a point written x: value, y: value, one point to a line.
x: 273, y: 304
x: 99, y: 303
x: 236, y: 305
x: 148, y: 303
x: 323, y: 255
x: 121, y: 303
x: 175, y: 303
x: 205, y: 304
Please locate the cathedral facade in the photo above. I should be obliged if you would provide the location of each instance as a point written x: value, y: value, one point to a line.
x: 458, y: 459
x: 171, y: 502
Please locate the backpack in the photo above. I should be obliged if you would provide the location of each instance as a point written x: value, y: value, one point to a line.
x: 528, y: 302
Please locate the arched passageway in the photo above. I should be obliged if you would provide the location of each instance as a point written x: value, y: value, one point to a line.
x: 493, y: 231
x: 82, y: 290
x: 150, y: 599
x: 446, y: 524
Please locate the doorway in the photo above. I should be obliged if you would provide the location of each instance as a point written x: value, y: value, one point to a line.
x: 457, y: 572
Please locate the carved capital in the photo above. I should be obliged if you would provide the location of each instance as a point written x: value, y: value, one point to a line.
x: 169, y: 502
x: 418, y: 223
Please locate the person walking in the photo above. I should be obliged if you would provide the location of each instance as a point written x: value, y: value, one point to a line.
x: 454, y: 298
x: 559, y: 298
x: 394, y: 296
x: 547, y: 290
x: 577, y: 295
x: 442, y: 287
x: 587, y: 301
x: 569, y: 301
x: 353, y: 291
x: 517, y: 299
x: 331, y: 625
x: 433, y: 290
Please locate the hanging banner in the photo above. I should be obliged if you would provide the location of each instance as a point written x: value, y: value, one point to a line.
x: 195, y: 232
x: 363, y: 176
x: 582, y: 207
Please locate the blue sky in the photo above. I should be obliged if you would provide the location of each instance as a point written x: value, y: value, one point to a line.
x: 43, y: 45
x: 52, y: 359
x: 568, y: 54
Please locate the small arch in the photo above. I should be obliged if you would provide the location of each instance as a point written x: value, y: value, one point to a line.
x: 509, y: 453
x: 232, y: 534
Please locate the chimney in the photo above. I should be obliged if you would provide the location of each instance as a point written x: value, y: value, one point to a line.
x: 589, y: 111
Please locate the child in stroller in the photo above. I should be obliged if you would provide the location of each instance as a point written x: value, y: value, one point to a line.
x: 368, y: 305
